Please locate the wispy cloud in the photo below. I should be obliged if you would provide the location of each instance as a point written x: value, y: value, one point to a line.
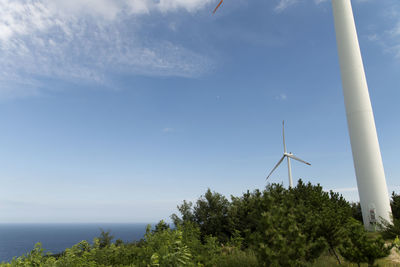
x: 346, y: 189
x: 281, y: 97
x: 395, y: 31
x: 284, y: 4
x: 168, y: 130
x: 86, y: 40
x: 112, y: 9
x: 388, y: 39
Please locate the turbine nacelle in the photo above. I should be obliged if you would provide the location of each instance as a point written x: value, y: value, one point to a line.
x: 290, y: 155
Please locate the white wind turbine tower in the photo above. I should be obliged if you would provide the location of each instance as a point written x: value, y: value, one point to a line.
x: 288, y: 156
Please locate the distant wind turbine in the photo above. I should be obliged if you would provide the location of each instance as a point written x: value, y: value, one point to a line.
x: 288, y: 156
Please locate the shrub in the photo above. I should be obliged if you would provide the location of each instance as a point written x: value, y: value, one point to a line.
x: 238, y: 258
x: 358, y: 247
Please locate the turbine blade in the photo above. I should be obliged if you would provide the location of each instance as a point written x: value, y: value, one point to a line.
x: 283, y: 134
x: 215, y: 10
x: 276, y: 166
x: 296, y: 158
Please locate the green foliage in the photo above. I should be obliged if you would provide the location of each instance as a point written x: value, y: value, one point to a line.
x: 173, y: 254
x: 245, y: 215
x: 161, y: 226
x: 80, y: 254
x: 166, y: 248
x: 105, y: 238
x: 395, y: 205
x: 391, y: 230
x: 186, y: 211
x: 35, y: 258
x: 284, y: 227
x: 283, y: 239
x: 119, y: 242
x: 332, y: 218
x: 236, y: 240
x: 358, y: 247
x: 272, y: 227
x: 191, y: 236
x: 321, y: 215
x: 211, y: 214
x: 396, y: 243
x: 238, y: 258
x: 356, y: 211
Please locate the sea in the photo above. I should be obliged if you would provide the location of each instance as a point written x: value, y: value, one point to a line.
x: 19, y: 239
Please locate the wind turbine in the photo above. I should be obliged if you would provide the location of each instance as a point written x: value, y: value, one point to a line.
x: 367, y: 159
x: 288, y: 156
x: 371, y: 181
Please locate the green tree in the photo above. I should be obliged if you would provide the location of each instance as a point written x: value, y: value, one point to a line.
x: 161, y: 226
x: 391, y: 230
x: 333, y: 217
x: 321, y: 215
x: 286, y: 235
x: 166, y: 248
x: 356, y: 211
x: 186, y: 211
x: 359, y: 248
x: 34, y: 258
x: 105, y: 238
x: 395, y: 205
x: 211, y: 214
x: 245, y: 214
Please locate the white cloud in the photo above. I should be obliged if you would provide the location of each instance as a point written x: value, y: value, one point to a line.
x: 85, y: 40
x: 395, y: 31
x: 386, y: 31
x: 138, y: 6
x: 107, y: 9
x: 168, y: 130
x: 395, y: 50
x: 281, y: 97
x: 347, y: 189
x: 284, y: 4
x: 110, y: 9
x: 373, y: 37
x: 389, y: 40
x: 320, y: 1
x: 189, y: 5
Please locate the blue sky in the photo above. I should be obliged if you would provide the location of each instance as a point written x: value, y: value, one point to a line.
x: 117, y: 111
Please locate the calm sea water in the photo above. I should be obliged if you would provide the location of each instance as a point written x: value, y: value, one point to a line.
x: 18, y: 239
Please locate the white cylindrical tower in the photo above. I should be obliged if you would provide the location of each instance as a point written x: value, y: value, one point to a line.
x: 289, y: 173
x: 367, y: 158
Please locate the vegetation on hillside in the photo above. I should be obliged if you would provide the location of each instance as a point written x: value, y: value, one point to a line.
x: 272, y: 227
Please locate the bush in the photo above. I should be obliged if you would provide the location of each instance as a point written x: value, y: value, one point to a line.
x: 238, y: 258
x: 359, y: 248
